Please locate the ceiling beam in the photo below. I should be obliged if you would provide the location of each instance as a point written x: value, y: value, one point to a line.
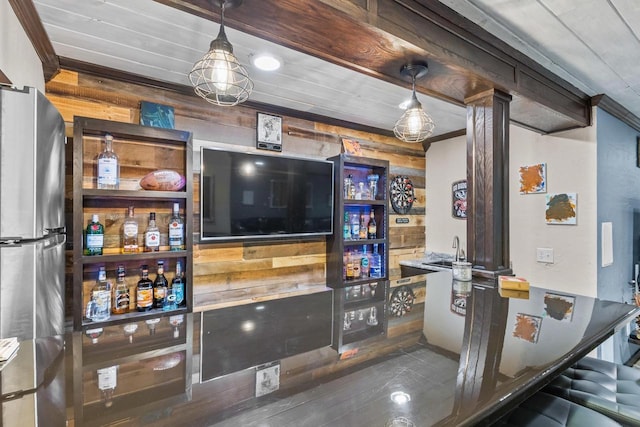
x: 30, y: 20
x: 616, y: 110
x: 377, y: 37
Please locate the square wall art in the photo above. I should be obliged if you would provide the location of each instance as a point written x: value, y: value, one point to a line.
x: 561, y: 208
x: 527, y: 327
x: 533, y: 179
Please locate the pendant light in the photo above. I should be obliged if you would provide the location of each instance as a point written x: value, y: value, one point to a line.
x: 219, y: 77
x: 415, y: 125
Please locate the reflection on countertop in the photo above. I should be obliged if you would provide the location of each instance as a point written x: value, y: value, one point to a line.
x: 430, y: 262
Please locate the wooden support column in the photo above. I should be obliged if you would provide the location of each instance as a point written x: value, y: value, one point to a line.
x: 488, y: 183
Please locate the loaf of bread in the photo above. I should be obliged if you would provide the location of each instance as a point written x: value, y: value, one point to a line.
x: 163, y: 180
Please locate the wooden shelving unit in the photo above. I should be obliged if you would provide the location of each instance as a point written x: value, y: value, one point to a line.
x: 360, y: 308
x: 141, y: 150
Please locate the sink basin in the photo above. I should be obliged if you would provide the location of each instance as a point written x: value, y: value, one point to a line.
x: 439, y: 263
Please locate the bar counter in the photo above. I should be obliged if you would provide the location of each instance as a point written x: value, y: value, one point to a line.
x: 481, y: 355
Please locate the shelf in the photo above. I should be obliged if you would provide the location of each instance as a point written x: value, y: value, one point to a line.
x: 359, y: 168
x: 140, y: 150
x: 364, y: 242
x: 117, y: 319
x: 95, y: 259
x: 91, y: 193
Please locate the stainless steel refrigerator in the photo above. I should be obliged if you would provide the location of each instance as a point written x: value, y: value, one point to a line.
x: 32, y: 220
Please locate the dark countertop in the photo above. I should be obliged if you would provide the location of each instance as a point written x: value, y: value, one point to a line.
x: 510, y: 346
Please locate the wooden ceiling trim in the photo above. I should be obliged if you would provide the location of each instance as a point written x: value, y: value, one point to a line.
x: 30, y: 20
x: 378, y: 39
x: 612, y: 107
x: 122, y: 76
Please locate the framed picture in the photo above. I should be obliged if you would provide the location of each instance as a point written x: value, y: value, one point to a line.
x: 459, y: 199
x: 269, y: 132
x: 561, y: 208
x: 533, y: 179
x: 156, y: 115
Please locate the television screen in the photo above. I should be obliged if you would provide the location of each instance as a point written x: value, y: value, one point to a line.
x: 252, y: 195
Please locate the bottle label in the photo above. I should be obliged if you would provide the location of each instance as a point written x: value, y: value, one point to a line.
x: 178, y: 291
x: 176, y: 231
x: 95, y: 240
x: 121, y: 302
x: 152, y: 239
x: 102, y: 305
x: 145, y: 297
x: 108, y: 378
x: 160, y: 292
x: 130, y: 230
x: 107, y: 171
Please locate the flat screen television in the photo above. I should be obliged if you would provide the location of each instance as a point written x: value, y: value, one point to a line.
x: 255, y: 196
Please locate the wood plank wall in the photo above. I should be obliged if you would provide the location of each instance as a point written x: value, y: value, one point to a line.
x: 227, y: 274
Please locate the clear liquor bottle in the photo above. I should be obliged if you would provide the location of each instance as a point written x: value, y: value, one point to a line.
x: 152, y: 235
x: 130, y: 233
x: 176, y: 230
x: 178, y: 285
x: 108, y: 166
x: 144, y: 291
x: 375, y: 263
x: 160, y: 286
x: 99, y: 308
x: 94, y: 237
x: 121, y: 293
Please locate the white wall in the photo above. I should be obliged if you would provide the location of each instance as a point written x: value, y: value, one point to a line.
x: 446, y: 163
x: 571, y: 167
x: 18, y: 59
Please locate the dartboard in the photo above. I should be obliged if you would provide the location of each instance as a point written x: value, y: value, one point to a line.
x: 402, y: 195
x: 401, y: 301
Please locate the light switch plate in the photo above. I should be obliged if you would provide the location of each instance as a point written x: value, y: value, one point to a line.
x: 544, y: 255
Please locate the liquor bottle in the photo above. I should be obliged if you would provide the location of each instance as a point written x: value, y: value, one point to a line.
x: 349, y: 273
x: 108, y: 166
x: 120, y: 293
x: 355, y: 227
x: 352, y: 188
x: 176, y: 230
x: 130, y: 233
x: 346, y: 228
x: 152, y: 235
x: 372, y: 229
x: 160, y: 286
x: 362, y: 228
x: 107, y: 382
x: 355, y: 256
x: 364, y: 263
x: 94, y: 237
x: 375, y: 263
x: 178, y: 285
x: 144, y: 291
x: 101, y: 298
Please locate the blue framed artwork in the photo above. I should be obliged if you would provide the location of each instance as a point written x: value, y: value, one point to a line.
x: 156, y: 115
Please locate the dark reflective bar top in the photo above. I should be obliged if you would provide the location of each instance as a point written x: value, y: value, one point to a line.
x: 482, y: 354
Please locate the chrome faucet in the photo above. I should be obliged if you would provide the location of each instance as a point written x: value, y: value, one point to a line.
x: 456, y: 245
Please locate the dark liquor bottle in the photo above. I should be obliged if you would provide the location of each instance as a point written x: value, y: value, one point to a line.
x: 120, y: 293
x: 160, y: 286
x: 178, y: 285
x: 372, y: 229
x: 144, y: 291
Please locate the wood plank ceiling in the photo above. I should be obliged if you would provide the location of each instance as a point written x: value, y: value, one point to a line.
x: 342, y: 58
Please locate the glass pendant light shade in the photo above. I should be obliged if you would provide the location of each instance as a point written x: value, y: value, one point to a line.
x: 219, y: 77
x: 415, y: 125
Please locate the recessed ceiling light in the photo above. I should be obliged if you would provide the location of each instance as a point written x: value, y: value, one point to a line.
x: 266, y: 62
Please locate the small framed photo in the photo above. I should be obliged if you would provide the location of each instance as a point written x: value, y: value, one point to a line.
x: 269, y: 132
